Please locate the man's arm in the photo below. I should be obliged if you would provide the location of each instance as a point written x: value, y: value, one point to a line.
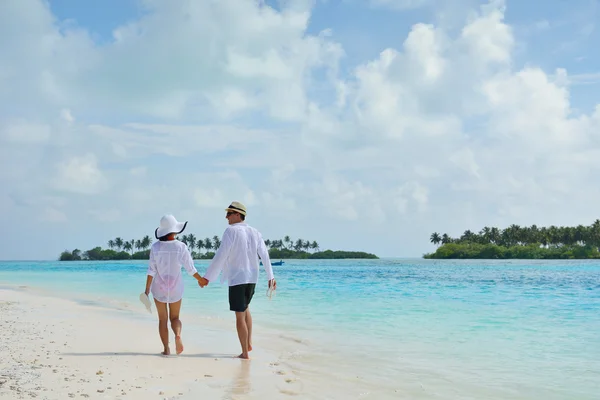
x: 220, y: 259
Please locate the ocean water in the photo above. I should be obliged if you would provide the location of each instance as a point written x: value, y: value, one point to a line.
x: 392, y: 328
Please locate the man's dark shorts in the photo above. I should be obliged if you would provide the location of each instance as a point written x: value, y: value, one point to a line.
x: 240, y: 296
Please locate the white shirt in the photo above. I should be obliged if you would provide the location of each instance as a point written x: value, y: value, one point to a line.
x: 166, y: 259
x: 238, y: 254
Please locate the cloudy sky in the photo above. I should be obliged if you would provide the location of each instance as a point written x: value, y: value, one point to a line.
x: 361, y: 124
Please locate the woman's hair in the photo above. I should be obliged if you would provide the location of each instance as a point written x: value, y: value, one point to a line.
x: 165, y: 238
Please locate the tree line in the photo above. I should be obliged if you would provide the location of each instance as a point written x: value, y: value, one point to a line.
x: 521, y: 242
x: 122, y: 249
x: 286, y: 243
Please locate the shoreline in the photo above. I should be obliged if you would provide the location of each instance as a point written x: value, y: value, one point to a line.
x: 56, y: 348
x: 120, y: 338
x: 420, y: 329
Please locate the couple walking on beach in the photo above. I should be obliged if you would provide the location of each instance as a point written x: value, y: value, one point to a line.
x: 237, y: 257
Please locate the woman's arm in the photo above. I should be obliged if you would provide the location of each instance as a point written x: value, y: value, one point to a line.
x: 151, y: 272
x: 148, y: 284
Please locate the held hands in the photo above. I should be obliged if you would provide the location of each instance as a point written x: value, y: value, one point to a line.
x: 202, y: 282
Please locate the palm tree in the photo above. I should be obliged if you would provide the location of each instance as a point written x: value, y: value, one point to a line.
x: 216, y: 242
x: 119, y: 243
x: 200, y: 245
x: 314, y: 245
x: 146, y: 242
x: 127, y: 246
x: 208, y: 244
x: 111, y: 244
x: 138, y: 245
x: 76, y: 254
x: 306, y: 245
x: 191, y: 242
x: 184, y: 239
x: 495, y: 235
x: 554, y: 235
x: 287, y: 240
x: 467, y: 236
x: 594, y: 234
x: 435, y: 238
x: 485, y: 235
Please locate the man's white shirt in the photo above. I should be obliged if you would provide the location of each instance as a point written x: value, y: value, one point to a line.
x: 237, y: 257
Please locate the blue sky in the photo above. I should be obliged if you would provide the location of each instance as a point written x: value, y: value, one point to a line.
x: 360, y: 124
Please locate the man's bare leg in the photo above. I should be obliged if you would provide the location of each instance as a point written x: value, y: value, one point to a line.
x: 163, y: 328
x: 176, y: 325
x: 242, y: 330
x: 249, y: 325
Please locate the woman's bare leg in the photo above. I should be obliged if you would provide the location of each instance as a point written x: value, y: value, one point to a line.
x: 174, y: 309
x: 163, y: 328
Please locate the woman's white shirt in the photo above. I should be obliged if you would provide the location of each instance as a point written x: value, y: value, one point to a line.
x: 166, y: 259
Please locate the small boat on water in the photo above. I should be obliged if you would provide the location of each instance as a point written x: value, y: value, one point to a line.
x: 275, y: 262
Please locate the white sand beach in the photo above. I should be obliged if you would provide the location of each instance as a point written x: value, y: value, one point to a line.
x: 55, y: 348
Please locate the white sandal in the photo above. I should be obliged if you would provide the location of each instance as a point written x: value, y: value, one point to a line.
x: 146, y: 301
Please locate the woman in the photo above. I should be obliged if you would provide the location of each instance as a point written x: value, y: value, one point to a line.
x: 165, y: 279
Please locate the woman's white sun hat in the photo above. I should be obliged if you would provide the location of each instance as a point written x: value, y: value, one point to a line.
x: 168, y: 224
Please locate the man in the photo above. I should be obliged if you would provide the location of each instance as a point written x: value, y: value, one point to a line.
x: 237, y: 257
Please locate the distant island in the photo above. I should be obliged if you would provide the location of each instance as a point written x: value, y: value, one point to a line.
x: 516, y: 242
x: 286, y: 248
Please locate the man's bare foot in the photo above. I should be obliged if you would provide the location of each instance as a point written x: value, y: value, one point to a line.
x: 178, y: 345
x: 166, y: 352
x: 244, y: 356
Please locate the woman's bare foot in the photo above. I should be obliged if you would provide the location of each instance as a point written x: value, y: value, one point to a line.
x: 178, y: 345
x: 249, y: 347
x: 166, y: 352
x: 244, y: 356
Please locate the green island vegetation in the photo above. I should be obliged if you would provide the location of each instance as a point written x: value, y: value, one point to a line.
x: 119, y: 249
x: 516, y: 242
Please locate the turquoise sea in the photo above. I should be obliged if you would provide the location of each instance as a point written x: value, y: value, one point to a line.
x: 392, y: 328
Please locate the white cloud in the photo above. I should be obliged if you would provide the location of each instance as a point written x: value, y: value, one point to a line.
x: 66, y: 115
x: 138, y: 171
x: 27, y: 132
x: 193, y: 105
x: 106, y: 215
x: 171, y: 61
x: 51, y: 214
x: 81, y: 175
x: 400, y: 4
x: 209, y: 197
